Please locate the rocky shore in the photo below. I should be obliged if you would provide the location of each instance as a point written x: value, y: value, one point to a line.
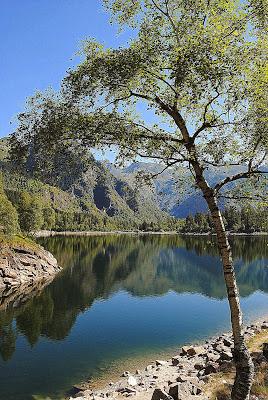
x: 40, y: 234
x: 23, y: 267
x: 185, y: 376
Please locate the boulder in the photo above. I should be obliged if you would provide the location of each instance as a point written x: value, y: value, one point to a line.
x: 212, y: 357
x: 211, y: 368
x: 160, y: 394
x: 179, y: 391
x: 199, y: 366
x: 182, y: 391
x: 175, y: 360
x: 132, y: 381
x: 160, y: 363
x: 192, y: 350
x: 227, y: 342
x: 182, y: 379
x: 226, y: 355
x: 127, y: 390
x: 221, y: 348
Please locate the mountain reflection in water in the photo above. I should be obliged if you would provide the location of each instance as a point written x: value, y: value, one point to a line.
x: 96, y: 268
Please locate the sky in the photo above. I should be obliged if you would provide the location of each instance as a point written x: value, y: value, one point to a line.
x: 39, y: 42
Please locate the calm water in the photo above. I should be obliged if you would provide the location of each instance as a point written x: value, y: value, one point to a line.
x: 120, y: 298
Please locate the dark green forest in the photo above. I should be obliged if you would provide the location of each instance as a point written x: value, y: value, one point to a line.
x: 245, y: 219
x: 67, y: 191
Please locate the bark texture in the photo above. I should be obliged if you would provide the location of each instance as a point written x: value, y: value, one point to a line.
x: 243, y: 362
x: 242, y: 358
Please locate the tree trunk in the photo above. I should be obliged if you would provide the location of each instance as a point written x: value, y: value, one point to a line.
x: 242, y: 359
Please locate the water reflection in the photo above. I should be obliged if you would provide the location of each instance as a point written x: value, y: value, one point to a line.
x: 101, y: 268
x: 144, y: 266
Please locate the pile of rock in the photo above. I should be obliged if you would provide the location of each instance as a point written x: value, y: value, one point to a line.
x: 182, y: 377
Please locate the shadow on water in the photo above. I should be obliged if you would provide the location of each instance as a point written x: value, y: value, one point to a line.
x: 96, y: 269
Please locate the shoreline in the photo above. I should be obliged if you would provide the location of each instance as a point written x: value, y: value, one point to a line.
x: 189, y: 371
x: 44, y: 234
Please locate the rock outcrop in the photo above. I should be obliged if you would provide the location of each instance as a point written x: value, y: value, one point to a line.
x: 24, y: 266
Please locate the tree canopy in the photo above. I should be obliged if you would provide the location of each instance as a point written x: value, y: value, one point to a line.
x: 200, y: 66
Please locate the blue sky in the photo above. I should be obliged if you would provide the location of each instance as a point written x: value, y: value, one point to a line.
x: 39, y: 39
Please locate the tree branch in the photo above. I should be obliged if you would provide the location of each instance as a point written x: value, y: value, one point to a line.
x: 163, y: 80
x: 241, y: 175
x: 253, y: 152
x: 242, y: 197
x: 205, y: 123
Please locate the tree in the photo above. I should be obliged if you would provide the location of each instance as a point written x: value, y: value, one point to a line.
x: 49, y: 216
x: 8, y: 215
x: 30, y: 212
x: 201, y: 67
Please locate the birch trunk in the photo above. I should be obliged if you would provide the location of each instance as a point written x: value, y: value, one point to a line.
x: 242, y: 359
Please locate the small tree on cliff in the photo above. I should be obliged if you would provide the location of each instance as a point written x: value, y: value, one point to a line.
x: 201, y: 67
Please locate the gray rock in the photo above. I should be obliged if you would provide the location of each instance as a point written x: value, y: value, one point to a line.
x: 127, y: 390
x: 227, y: 342
x: 160, y: 394
x: 212, y: 357
x: 132, y: 381
x: 226, y: 356
x: 195, y: 390
x: 211, y: 368
x: 192, y: 350
x: 161, y: 363
x: 182, y: 391
x: 182, y: 379
x: 177, y: 390
x: 176, y: 360
x: 199, y: 366
x: 22, y: 268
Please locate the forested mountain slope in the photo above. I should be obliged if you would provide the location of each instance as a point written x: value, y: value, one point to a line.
x: 173, y: 190
x: 76, y: 192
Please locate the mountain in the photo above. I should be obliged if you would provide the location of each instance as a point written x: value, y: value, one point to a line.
x: 173, y: 190
x: 91, y: 194
x: 84, y: 193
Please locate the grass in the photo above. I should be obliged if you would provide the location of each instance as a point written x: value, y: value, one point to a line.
x: 256, y: 342
x: 17, y: 240
x: 260, y: 385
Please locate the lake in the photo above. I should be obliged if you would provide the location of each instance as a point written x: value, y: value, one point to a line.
x: 120, y: 301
